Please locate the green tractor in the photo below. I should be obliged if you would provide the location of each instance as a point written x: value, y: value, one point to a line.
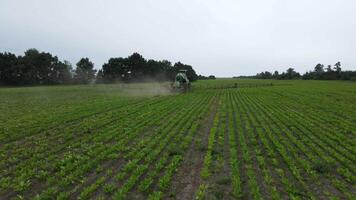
x: 181, y: 82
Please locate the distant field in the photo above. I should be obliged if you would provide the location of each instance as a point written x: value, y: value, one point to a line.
x: 225, y: 139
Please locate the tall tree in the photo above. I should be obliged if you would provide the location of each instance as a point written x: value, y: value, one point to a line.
x: 9, y: 69
x: 85, y: 72
x: 275, y: 74
x: 62, y: 72
x: 319, y: 68
x: 337, y: 67
x: 292, y: 74
x: 136, y: 65
x: 116, y: 70
x: 329, y: 68
x: 33, y: 68
x: 318, y: 71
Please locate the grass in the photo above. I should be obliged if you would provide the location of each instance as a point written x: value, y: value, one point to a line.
x: 267, y: 139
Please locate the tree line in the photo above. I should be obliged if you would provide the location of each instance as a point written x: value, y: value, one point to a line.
x: 42, y: 68
x: 136, y: 68
x: 320, y: 72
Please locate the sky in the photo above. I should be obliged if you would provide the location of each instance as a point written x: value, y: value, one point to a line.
x: 220, y: 37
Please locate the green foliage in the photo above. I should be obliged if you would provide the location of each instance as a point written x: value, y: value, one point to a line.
x: 319, y: 73
x: 40, y: 68
x: 322, y: 167
x: 85, y: 72
x: 33, y: 68
x: 109, y: 188
x: 261, y: 139
x: 200, y: 194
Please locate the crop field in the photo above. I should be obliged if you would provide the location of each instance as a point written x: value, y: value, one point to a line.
x: 224, y: 139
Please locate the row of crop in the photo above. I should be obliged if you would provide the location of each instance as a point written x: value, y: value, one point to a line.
x: 36, y: 123
x: 308, y: 168
x: 287, y: 150
x: 321, y: 138
x: 150, y: 155
x: 268, y: 182
x: 165, y: 179
x: 42, y: 146
x: 71, y: 160
x: 217, y: 185
x: 333, y: 125
x: 234, y: 160
x: 85, y: 123
x: 137, y: 154
x: 337, y: 106
x: 336, y: 103
x: 246, y: 155
x: 211, y: 152
x: 309, y: 158
x: 275, y: 152
x: 206, y: 171
x: 48, y: 143
x: 343, y: 145
x: 179, y: 144
x: 121, y: 142
x: 220, y: 162
x: 325, y: 120
x: 291, y: 135
x: 170, y: 136
x: 35, y: 167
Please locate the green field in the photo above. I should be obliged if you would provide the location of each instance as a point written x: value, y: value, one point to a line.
x: 225, y: 139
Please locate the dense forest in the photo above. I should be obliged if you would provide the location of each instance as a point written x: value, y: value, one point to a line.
x: 319, y: 73
x: 41, y: 68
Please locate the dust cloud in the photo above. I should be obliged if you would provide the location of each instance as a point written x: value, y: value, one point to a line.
x: 146, y: 89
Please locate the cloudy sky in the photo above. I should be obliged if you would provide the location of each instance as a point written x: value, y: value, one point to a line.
x: 221, y: 37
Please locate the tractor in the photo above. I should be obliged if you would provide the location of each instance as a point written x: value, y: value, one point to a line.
x: 181, y: 82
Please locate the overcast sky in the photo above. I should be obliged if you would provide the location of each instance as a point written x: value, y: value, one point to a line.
x: 224, y: 38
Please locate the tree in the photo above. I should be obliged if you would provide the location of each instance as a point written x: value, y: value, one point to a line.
x: 100, y: 77
x: 157, y: 70
x: 275, y: 74
x: 319, y: 68
x: 307, y: 75
x: 62, y: 72
x: 191, y: 74
x: 116, y: 70
x: 318, y: 71
x: 9, y: 70
x: 329, y: 69
x: 136, y: 68
x: 42, y: 68
x: 136, y: 65
x: 318, y: 74
x: 337, y: 67
x: 292, y: 74
x: 33, y: 68
x: 85, y: 72
x: 264, y: 75
x: 211, y: 77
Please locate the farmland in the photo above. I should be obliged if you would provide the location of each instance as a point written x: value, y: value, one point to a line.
x: 225, y: 139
